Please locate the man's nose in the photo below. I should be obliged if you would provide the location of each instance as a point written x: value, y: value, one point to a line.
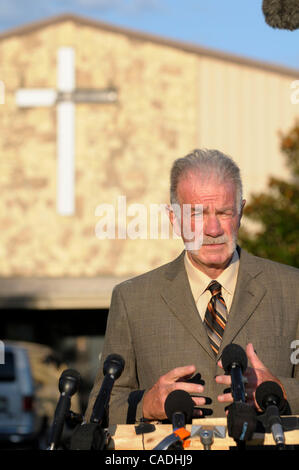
x: 212, y: 226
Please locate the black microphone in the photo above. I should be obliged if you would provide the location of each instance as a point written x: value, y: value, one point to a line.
x: 281, y: 14
x: 68, y: 385
x: 241, y: 418
x: 113, y: 366
x: 269, y: 397
x: 179, y: 408
x: 234, y: 362
x: 94, y: 435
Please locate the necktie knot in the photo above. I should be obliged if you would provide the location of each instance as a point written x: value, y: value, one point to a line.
x: 214, y: 287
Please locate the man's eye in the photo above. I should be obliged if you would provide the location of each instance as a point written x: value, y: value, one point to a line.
x: 226, y: 214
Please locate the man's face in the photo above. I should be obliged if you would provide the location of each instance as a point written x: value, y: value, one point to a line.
x: 220, y: 218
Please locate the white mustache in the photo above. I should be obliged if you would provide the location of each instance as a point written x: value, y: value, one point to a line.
x: 214, y: 241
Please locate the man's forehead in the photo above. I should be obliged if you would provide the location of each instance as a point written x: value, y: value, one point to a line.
x: 195, y: 183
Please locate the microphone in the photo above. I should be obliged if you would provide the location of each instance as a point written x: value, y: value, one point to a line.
x: 94, y: 435
x: 241, y: 418
x: 281, y: 14
x: 68, y: 385
x: 113, y: 367
x: 269, y: 397
x: 179, y: 410
x: 234, y: 362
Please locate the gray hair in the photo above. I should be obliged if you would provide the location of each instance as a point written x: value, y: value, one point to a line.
x: 210, y: 164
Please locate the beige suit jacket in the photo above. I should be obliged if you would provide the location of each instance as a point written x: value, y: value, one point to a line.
x: 154, y: 324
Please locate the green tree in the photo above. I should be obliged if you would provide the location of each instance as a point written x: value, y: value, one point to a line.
x: 277, y: 211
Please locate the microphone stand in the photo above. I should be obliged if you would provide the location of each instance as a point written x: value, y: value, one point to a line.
x: 241, y: 418
x: 94, y: 435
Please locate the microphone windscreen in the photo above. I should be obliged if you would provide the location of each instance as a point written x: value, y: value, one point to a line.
x: 69, y: 381
x: 114, y: 365
x: 281, y: 14
x: 241, y: 421
x: 233, y: 353
x: 269, y: 390
x: 179, y: 401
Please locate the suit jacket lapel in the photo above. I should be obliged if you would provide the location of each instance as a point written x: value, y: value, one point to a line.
x: 178, y: 296
x: 248, y: 294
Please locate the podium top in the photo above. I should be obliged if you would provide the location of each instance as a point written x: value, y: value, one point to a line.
x: 124, y: 437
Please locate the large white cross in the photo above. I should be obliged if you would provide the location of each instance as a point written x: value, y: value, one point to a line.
x: 65, y: 98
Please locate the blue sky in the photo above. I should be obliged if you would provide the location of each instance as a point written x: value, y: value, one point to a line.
x: 233, y: 26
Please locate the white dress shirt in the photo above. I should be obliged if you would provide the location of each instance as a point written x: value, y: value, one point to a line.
x: 199, y: 282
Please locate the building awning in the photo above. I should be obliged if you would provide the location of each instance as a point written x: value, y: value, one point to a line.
x: 57, y: 293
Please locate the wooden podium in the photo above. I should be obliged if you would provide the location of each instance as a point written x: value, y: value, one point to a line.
x: 124, y: 437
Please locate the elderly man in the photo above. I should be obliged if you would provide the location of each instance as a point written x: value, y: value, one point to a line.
x: 172, y: 323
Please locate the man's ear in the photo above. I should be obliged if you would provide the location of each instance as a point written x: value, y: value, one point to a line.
x: 241, y: 211
x: 242, y: 207
x: 169, y: 213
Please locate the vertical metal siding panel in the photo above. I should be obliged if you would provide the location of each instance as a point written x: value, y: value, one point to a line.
x: 241, y: 110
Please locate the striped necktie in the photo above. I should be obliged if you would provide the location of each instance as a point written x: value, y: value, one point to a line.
x: 215, y: 316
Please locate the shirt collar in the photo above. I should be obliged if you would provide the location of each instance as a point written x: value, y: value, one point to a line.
x: 199, y: 281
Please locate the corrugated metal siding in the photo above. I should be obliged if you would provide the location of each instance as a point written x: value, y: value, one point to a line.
x: 241, y: 111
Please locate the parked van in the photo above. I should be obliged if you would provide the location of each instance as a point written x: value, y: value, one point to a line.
x: 19, y: 420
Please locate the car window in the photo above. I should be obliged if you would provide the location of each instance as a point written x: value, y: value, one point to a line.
x: 7, y: 370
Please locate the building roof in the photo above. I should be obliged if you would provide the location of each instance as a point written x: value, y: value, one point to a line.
x: 141, y: 36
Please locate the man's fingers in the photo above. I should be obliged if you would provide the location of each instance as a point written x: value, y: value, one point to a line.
x: 188, y: 387
x: 197, y: 413
x: 223, y: 379
x: 253, y: 357
x: 225, y: 397
x: 199, y: 401
x: 179, y: 373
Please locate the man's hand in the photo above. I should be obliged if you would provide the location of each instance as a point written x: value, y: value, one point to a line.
x: 154, y: 399
x: 254, y: 376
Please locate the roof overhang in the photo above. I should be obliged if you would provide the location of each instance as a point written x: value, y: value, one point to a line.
x: 57, y: 293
